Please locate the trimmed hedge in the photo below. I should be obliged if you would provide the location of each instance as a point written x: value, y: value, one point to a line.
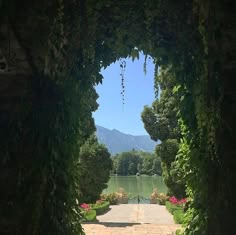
x: 101, y: 208
x: 176, y: 211
x: 89, y: 216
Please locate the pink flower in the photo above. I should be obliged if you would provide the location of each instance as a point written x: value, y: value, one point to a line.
x: 173, y: 200
x: 85, y: 206
x: 182, y: 201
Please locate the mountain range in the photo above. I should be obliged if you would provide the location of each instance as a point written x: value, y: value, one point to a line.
x: 118, y: 142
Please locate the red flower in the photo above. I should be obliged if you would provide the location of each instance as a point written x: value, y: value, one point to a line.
x: 182, y: 201
x: 85, y: 206
x: 174, y: 200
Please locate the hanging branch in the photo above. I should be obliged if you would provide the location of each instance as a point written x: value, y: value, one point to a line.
x: 122, y: 74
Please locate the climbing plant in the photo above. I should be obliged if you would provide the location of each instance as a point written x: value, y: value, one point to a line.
x: 161, y: 122
x: 66, y: 43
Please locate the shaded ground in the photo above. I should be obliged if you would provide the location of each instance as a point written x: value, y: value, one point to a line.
x: 133, y: 219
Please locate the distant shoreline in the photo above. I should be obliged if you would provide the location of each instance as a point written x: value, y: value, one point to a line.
x: 133, y: 175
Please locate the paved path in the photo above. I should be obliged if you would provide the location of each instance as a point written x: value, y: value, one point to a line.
x: 133, y: 219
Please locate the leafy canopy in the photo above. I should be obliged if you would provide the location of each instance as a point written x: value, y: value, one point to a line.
x: 94, y: 168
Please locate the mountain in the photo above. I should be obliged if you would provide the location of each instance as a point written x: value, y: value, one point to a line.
x: 118, y: 142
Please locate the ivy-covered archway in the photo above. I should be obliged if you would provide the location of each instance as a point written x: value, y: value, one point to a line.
x: 51, y: 57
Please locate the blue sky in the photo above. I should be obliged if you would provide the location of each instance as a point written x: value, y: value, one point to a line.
x: 139, y: 91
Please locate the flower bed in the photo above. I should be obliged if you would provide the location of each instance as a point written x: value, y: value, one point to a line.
x: 110, y: 197
x: 100, y: 206
x: 153, y: 197
x: 89, y: 216
x: 85, y: 207
x: 159, y: 198
x: 162, y: 198
x: 175, y: 201
x: 90, y: 211
x: 176, y: 208
x: 87, y: 213
x: 122, y: 196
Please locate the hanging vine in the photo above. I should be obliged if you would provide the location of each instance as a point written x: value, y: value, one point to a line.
x: 122, y: 75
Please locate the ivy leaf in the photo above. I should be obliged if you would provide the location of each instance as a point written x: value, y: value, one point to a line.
x: 176, y: 89
x: 134, y: 54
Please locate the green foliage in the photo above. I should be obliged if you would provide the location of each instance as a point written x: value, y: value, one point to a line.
x: 178, y: 216
x: 161, y: 122
x: 71, y: 43
x: 101, y: 207
x: 95, y: 165
x: 89, y: 216
x: 172, y: 207
x: 177, y: 212
x: 133, y: 162
x: 112, y: 198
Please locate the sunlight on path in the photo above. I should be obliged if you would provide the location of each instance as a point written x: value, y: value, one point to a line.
x: 133, y: 219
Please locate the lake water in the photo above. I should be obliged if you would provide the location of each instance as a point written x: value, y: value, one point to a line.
x: 136, y: 185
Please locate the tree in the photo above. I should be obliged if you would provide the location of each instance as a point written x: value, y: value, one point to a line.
x: 95, y: 165
x: 133, y: 162
x: 156, y: 167
x: 161, y: 122
x: 132, y: 168
x: 147, y: 163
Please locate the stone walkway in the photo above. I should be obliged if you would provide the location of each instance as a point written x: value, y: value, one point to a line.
x: 133, y: 219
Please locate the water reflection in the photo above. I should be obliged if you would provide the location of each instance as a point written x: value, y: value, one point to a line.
x: 136, y: 185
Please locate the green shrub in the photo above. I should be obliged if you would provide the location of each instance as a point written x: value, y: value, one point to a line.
x: 178, y: 216
x: 177, y: 212
x: 171, y: 207
x: 88, y: 216
x: 112, y: 198
x: 100, y: 207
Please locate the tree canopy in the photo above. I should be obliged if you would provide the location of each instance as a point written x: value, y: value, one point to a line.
x: 94, y: 169
x: 161, y: 122
x: 133, y: 162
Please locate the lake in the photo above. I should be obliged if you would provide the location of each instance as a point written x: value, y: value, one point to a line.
x: 136, y: 185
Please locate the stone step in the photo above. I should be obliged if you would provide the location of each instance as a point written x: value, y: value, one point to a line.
x: 129, y: 229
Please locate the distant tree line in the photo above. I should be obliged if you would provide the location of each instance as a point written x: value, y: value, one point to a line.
x: 133, y: 162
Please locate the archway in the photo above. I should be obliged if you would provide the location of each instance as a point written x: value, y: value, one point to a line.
x: 47, y: 97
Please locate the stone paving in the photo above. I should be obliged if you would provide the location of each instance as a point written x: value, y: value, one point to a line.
x: 133, y: 219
